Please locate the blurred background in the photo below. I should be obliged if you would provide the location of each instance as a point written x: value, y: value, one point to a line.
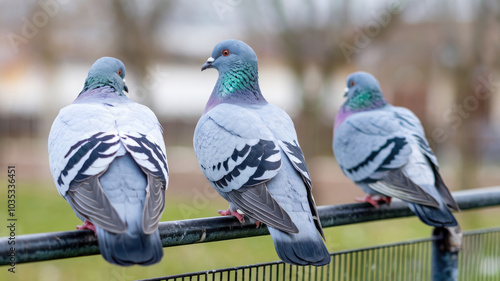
x: 441, y: 59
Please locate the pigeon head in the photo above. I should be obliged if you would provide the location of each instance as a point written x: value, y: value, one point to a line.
x: 106, y: 71
x: 229, y: 54
x: 236, y: 63
x: 363, y: 92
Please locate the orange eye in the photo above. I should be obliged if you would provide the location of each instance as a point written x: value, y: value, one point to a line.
x: 351, y: 83
x: 120, y: 72
x: 225, y: 52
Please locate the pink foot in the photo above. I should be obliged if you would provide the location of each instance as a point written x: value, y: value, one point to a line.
x: 257, y: 224
x: 387, y: 200
x: 374, y: 199
x: 230, y: 212
x: 87, y: 225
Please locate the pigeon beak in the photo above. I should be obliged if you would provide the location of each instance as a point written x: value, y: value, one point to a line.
x: 346, y: 90
x: 208, y: 64
x: 125, y: 88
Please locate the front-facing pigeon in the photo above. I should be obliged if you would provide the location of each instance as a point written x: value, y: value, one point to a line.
x: 107, y: 157
x: 383, y: 149
x: 248, y: 150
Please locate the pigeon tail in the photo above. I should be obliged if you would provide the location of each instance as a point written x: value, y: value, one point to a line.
x: 130, y: 248
x: 433, y: 216
x: 303, y: 248
x: 125, y: 184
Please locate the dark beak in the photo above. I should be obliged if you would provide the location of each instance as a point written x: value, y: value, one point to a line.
x: 346, y: 90
x: 125, y: 88
x: 208, y: 64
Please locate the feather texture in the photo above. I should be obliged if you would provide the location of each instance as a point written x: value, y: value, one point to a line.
x: 383, y: 149
x: 248, y: 150
x: 108, y: 160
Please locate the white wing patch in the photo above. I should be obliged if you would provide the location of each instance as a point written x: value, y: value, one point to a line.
x: 232, y: 157
x: 294, y: 153
x: 88, y: 157
x: 146, y: 153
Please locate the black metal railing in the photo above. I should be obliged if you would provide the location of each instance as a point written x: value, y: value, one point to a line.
x: 409, y: 261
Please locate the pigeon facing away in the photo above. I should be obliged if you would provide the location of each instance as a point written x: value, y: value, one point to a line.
x: 248, y: 150
x: 107, y: 157
x: 383, y: 149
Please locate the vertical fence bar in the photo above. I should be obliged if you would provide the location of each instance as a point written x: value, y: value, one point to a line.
x: 444, y: 262
x: 479, y: 260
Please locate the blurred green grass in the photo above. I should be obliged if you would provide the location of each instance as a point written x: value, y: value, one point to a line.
x: 41, y: 209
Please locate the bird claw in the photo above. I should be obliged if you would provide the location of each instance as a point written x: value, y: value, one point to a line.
x: 374, y: 199
x: 257, y: 224
x: 87, y: 225
x: 230, y: 212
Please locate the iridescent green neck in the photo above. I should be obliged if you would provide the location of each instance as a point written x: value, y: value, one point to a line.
x: 237, y: 85
x: 95, y: 82
x: 240, y: 77
x: 365, y: 100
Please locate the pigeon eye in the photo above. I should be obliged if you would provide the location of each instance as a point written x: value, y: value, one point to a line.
x: 120, y: 72
x: 351, y: 83
x: 225, y: 52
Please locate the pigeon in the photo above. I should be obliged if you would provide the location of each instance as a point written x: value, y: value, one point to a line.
x: 248, y: 151
x: 383, y: 149
x: 108, y: 160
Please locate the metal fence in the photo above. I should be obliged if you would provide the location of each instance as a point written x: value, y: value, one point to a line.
x: 409, y: 261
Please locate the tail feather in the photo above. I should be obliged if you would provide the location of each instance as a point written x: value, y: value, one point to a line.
x: 125, y: 184
x: 433, y: 216
x: 130, y: 248
x: 301, y: 248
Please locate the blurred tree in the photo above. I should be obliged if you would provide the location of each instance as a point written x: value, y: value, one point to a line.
x: 474, y: 55
x: 41, y: 48
x: 136, y: 23
x: 317, y: 39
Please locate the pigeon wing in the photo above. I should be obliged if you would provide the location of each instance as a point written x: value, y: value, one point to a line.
x: 238, y: 155
x: 396, y: 184
x: 82, y: 143
x: 88, y: 199
x: 368, y: 143
x: 412, y: 123
x: 257, y: 202
x: 142, y: 136
x: 81, y: 147
x: 86, y: 138
x: 283, y: 129
x: 373, y: 146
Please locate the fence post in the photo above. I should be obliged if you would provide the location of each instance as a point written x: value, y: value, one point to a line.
x: 444, y: 260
